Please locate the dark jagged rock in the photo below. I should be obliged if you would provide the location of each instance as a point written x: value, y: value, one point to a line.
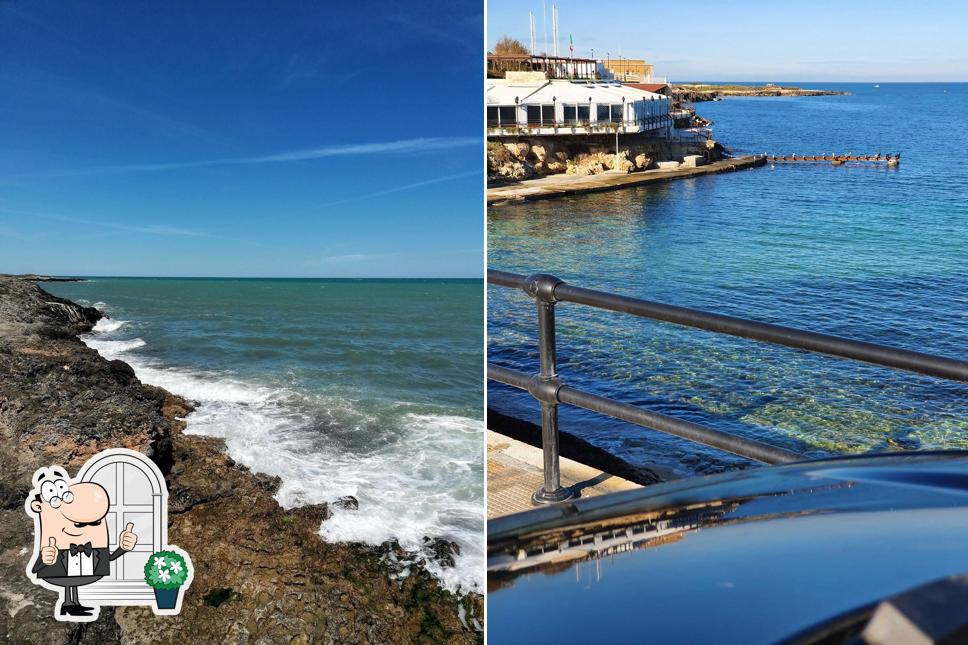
x: 262, y: 574
x: 313, y: 513
x: 393, y: 550
x: 348, y: 503
x: 444, y: 551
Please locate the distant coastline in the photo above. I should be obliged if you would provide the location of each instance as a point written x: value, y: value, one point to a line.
x: 696, y: 92
x: 33, y: 277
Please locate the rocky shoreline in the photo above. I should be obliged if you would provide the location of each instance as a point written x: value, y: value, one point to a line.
x: 263, y: 574
x: 528, y: 157
x: 40, y: 278
x: 697, y: 92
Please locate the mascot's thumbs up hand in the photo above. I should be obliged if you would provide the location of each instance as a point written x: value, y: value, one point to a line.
x: 127, y: 540
x: 48, y: 554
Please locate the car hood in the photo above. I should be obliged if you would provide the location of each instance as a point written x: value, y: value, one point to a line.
x: 749, y: 556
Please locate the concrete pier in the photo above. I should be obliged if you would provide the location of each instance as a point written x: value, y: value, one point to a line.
x: 514, y: 473
x: 562, y: 185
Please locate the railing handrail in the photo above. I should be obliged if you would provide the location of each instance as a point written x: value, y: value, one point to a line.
x: 583, y: 123
x: 548, y: 290
x: 883, y: 355
x: 735, y: 444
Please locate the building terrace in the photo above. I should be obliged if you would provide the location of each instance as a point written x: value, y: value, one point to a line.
x: 529, y: 103
x: 551, y: 66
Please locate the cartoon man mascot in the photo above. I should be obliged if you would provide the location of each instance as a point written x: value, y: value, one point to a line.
x: 72, y: 536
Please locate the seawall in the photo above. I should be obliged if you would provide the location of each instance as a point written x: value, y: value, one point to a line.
x: 531, y: 156
x: 555, y: 186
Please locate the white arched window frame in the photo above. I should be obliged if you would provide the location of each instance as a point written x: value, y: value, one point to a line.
x: 138, y: 495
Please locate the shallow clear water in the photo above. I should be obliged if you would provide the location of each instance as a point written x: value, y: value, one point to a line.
x: 369, y: 388
x: 866, y: 252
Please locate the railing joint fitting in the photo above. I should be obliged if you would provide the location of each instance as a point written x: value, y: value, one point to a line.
x: 541, y: 287
x: 544, y: 388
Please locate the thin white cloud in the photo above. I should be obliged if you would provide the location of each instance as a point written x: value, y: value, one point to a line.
x: 402, y: 147
x: 159, y: 229
x: 43, y: 87
x: 150, y: 229
x: 444, y: 32
x: 369, y: 257
x: 397, y: 189
x: 330, y: 259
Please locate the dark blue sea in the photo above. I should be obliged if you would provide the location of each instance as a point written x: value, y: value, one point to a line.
x: 866, y: 252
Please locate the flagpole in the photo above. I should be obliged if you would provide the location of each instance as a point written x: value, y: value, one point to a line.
x: 544, y: 25
x: 571, y: 54
x: 531, y: 25
x: 554, y: 26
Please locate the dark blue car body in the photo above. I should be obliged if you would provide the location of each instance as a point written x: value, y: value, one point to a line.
x: 754, y: 556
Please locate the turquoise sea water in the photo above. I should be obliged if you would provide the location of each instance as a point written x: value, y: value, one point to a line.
x: 369, y: 388
x: 866, y: 252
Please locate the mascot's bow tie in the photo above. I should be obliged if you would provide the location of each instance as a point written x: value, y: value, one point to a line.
x: 81, y: 548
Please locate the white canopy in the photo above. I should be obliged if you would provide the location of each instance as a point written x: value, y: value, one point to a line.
x: 603, y: 92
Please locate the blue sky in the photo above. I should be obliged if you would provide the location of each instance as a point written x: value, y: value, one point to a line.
x: 241, y: 138
x: 759, y: 40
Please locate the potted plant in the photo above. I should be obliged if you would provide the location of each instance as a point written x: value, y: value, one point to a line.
x: 166, y: 572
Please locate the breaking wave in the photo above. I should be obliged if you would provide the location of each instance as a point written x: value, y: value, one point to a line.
x: 109, y: 324
x: 416, y: 475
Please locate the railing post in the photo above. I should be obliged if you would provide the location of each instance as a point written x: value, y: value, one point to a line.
x: 544, y: 387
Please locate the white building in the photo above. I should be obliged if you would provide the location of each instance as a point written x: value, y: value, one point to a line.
x: 527, y: 103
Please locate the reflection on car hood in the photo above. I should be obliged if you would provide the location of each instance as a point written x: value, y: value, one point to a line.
x: 750, y: 556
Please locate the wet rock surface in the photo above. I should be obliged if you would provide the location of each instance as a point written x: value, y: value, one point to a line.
x: 444, y: 551
x: 348, y: 503
x: 262, y: 574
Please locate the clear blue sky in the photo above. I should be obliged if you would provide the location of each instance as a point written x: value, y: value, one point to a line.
x: 236, y: 138
x: 759, y: 40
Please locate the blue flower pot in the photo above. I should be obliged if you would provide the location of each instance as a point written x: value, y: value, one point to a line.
x: 166, y: 598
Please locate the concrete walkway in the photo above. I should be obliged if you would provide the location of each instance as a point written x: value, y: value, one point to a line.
x: 514, y: 473
x: 561, y: 185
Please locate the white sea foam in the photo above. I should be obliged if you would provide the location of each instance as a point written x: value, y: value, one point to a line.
x: 205, y: 388
x: 112, y: 349
x: 408, y: 489
x: 109, y: 324
x: 426, y: 484
x: 422, y: 478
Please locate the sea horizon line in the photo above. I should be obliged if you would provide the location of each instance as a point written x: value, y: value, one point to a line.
x: 41, y: 276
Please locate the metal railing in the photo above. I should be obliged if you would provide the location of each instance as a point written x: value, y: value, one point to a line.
x: 643, y: 124
x: 548, y: 389
x: 693, y: 135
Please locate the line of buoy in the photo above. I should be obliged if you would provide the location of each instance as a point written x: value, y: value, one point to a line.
x: 838, y: 160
